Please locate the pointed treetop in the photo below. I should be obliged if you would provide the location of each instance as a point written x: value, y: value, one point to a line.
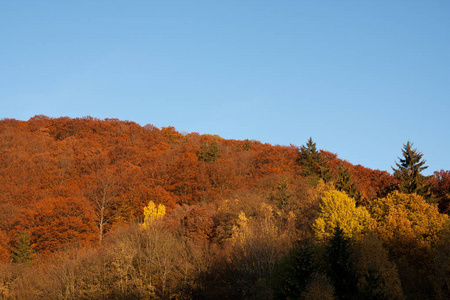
x: 409, y: 169
x: 310, y: 147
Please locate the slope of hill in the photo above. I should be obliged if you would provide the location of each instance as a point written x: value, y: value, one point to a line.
x: 82, y: 182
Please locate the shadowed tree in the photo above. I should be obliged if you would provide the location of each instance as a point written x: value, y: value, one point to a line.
x: 341, y: 268
x: 293, y: 273
x: 378, y: 278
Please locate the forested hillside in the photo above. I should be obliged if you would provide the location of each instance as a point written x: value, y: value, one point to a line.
x: 94, y: 209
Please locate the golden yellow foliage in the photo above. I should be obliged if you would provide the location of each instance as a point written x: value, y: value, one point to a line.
x: 339, y: 209
x: 241, y: 226
x: 321, y: 188
x: 152, y: 213
x: 407, y: 219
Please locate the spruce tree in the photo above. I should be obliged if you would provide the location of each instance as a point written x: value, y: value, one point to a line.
x: 309, y: 158
x: 345, y: 183
x: 313, y: 166
x: 293, y: 272
x: 408, y: 171
x: 340, y: 266
x: 282, y: 195
x: 22, y: 252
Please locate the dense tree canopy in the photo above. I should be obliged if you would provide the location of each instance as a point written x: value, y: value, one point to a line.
x: 111, y: 209
x: 406, y: 220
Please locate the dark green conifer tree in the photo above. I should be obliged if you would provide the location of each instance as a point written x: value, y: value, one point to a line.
x: 294, y: 271
x: 247, y: 145
x: 309, y: 158
x: 340, y: 265
x: 22, y: 252
x: 408, y: 171
x: 210, y: 152
x: 345, y: 183
x: 313, y: 166
x: 282, y: 195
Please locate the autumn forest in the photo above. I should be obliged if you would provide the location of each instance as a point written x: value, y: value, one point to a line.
x: 109, y: 209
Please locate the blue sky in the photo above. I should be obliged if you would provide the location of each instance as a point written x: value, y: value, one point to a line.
x: 360, y: 77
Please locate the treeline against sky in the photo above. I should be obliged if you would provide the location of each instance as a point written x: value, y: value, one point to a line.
x: 224, y: 219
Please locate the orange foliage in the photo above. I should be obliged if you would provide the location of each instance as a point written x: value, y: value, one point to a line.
x: 106, y: 171
x: 373, y: 183
x: 57, y: 222
x: 4, y: 247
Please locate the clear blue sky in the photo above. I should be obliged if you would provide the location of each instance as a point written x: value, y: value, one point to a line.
x: 360, y: 77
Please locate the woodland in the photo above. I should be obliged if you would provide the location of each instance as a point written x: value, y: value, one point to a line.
x: 110, y: 209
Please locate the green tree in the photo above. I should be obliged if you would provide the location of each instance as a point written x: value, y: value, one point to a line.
x: 409, y: 169
x: 313, y: 166
x: 309, y: 158
x: 341, y: 268
x: 282, y: 194
x: 247, y: 146
x: 210, y: 152
x: 22, y: 252
x: 294, y: 271
x: 345, y: 183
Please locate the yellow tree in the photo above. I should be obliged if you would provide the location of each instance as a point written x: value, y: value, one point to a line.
x: 152, y: 213
x: 406, y: 221
x: 411, y: 229
x: 336, y: 209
